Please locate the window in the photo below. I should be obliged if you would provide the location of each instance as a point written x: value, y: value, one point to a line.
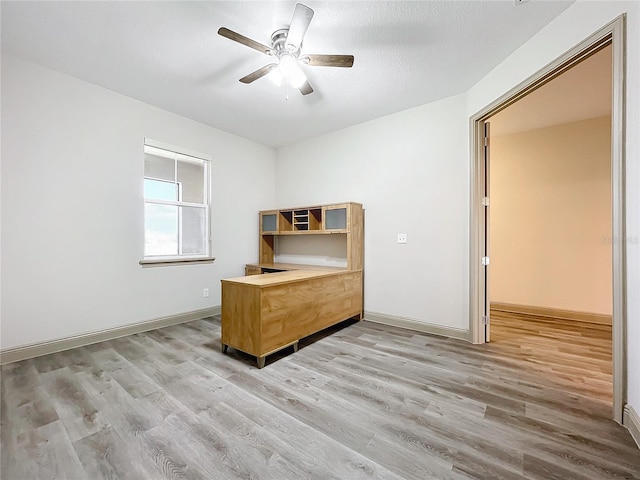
x: 176, y: 204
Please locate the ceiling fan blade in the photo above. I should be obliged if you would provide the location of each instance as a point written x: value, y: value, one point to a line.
x: 300, y: 21
x: 306, y: 88
x: 329, y: 60
x: 261, y: 72
x: 236, y: 37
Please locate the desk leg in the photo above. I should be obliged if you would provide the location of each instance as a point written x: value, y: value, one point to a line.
x: 225, y: 348
x: 295, y: 347
x: 261, y: 362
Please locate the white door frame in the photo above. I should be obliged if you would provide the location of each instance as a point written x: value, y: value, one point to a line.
x: 611, y: 34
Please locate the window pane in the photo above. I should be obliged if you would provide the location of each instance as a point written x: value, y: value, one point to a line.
x: 161, y: 229
x: 191, y: 178
x: 175, y: 230
x: 194, y: 237
x: 160, y: 190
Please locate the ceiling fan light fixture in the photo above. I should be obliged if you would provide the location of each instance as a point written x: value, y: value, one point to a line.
x: 290, y: 69
x: 276, y: 76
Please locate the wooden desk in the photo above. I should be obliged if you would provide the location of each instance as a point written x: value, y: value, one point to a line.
x: 262, y: 314
x: 272, y: 267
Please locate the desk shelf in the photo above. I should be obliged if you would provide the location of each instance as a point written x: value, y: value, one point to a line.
x: 344, y: 218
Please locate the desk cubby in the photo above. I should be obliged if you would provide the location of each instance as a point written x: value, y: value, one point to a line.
x: 343, y: 218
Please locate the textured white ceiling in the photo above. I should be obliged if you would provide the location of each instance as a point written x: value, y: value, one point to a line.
x: 168, y: 54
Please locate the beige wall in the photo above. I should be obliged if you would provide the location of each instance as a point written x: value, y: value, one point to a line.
x: 551, y: 217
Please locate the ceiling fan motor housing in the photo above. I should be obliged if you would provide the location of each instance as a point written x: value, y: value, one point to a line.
x: 278, y: 43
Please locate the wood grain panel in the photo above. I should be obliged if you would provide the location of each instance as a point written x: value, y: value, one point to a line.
x: 263, y: 313
x: 266, y: 252
x: 240, y: 311
x: 291, y: 312
x: 355, y: 241
x: 252, y: 270
x: 295, y: 266
x: 277, y: 278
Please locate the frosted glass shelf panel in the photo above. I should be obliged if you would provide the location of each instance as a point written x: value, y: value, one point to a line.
x: 335, y: 219
x: 269, y: 223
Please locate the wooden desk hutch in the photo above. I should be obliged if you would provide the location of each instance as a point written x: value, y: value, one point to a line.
x: 276, y: 304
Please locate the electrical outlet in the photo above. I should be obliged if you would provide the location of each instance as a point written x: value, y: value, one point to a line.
x: 402, y: 238
x: 205, y: 292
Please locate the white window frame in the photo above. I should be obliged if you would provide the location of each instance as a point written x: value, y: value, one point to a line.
x: 183, y: 154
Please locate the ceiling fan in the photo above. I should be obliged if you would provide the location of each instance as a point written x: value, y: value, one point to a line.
x: 286, y: 45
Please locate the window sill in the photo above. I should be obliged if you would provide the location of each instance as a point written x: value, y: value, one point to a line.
x: 165, y: 262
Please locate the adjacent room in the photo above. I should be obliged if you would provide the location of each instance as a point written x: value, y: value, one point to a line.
x: 250, y: 239
x: 551, y: 221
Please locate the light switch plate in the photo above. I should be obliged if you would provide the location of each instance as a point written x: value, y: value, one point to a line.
x: 402, y: 238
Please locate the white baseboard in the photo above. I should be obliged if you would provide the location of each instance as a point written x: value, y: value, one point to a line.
x: 631, y: 420
x: 16, y: 354
x: 411, y: 324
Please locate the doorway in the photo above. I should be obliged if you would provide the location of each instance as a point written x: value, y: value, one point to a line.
x: 609, y: 37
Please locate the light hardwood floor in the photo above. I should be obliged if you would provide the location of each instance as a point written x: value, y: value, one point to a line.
x: 366, y: 401
x: 574, y: 353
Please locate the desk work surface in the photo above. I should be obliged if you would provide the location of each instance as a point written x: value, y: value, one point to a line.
x: 289, y: 276
x: 296, y: 266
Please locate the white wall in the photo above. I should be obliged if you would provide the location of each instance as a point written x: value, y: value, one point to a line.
x: 551, y: 217
x: 72, y: 212
x: 410, y: 171
x: 578, y: 22
x: 325, y: 250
